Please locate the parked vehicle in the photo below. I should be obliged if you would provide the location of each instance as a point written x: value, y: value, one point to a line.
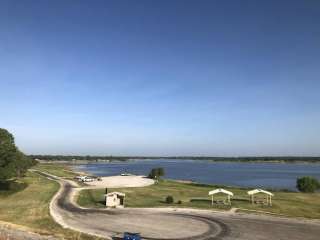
x: 131, y: 236
x: 78, y: 177
x: 88, y: 179
x: 85, y: 178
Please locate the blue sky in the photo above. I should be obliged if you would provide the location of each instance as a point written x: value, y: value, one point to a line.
x: 220, y: 78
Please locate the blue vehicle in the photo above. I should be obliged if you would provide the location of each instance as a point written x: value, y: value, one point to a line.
x: 131, y: 236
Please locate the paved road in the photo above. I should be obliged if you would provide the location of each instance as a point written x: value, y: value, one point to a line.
x: 170, y: 224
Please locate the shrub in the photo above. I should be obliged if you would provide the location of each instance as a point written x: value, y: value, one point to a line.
x: 307, y: 184
x: 12, y: 186
x: 179, y: 202
x: 169, y: 199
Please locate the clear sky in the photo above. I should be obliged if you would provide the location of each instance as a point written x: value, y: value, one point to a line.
x: 219, y: 78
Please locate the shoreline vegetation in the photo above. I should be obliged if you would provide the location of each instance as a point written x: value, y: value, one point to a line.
x: 93, y: 159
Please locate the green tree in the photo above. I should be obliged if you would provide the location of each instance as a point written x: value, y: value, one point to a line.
x: 307, y: 184
x: 160, y: 172
x: 155, y: 173
x: 13, y: 163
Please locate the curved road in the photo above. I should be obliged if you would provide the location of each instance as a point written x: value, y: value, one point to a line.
x: 174, y: 224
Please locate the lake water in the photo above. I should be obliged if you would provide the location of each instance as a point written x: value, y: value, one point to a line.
x: 263, y: 175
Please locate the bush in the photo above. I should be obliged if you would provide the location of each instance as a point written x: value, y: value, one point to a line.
x: 12, y: 186
x: 179, y: 202
x: 169, y: 199
x: 307, y: 184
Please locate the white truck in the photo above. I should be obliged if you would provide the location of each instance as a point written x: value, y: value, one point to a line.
x: 85, y: 179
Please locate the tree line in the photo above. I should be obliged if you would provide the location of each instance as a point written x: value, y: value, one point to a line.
x: 76, y: 157
x: 286, y: 159
x: 13, y: 163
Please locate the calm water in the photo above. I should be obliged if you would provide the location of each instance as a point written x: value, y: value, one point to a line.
x: 264, y: 175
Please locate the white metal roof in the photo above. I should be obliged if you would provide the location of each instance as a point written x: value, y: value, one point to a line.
x: 259, y: 191
x: 220, y: 190
x: 115, y: 193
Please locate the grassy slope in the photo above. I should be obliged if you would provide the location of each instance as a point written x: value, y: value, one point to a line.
x: 59, y: 170
x: 30, y: 207
x: 290, y: 204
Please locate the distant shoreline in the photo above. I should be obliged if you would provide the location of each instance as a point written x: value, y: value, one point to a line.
x: 77, y: 161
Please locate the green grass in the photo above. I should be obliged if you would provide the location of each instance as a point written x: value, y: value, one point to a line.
x: 29, y: 206
x: 60, y: 170
x: 196, y: 196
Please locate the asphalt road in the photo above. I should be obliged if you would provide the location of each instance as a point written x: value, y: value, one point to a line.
x: 179, y: 224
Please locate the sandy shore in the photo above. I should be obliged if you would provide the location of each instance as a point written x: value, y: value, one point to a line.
x: 121, y: 181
